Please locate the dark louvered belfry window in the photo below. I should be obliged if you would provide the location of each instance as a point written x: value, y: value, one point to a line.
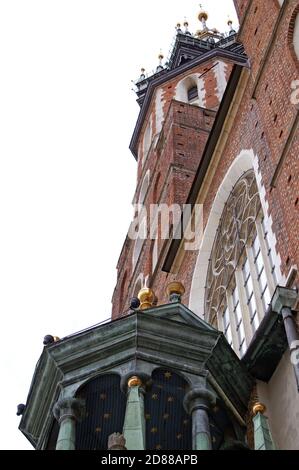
x: 192, y: 93
x: 168, y: 426
x: 105, y: 412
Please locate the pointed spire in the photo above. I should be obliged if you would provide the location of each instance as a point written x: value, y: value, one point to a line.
x: 160, y: 66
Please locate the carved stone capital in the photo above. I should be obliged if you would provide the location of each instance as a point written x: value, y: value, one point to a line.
x: 199, y: 398
x: 69, y: 408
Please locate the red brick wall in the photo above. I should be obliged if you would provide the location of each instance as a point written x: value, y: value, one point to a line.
x: 168, y: 94
x: 172, y: 166
x: 264, y: 124
x: 264, y: 121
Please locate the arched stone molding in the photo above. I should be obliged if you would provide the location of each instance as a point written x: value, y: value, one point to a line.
x: 293, y: 35
x: 296, y: 37
x: 159, y: 103
x: 245, y: 161
x: 147, y: 139
x: 144, y: 187
x: 138, y: 285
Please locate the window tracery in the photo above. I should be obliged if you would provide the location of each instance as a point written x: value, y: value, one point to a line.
x: 241, y: 274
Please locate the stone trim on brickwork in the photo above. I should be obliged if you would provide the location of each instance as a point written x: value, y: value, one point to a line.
x: 291, y: 35
x: 245, y: 161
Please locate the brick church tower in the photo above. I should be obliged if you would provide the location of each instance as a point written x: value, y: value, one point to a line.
x: 202, y: 351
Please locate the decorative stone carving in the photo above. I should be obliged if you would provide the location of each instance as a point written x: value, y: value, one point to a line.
x: 199, y: 398
x: 69, y: 408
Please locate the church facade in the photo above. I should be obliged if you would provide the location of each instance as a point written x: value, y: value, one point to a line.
x: 207, y: 355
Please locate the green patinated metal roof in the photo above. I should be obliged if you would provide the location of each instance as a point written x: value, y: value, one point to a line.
x: 167, y: 336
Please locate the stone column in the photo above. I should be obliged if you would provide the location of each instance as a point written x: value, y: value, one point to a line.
x: 262, y: 435
x: 282, y: 303
x: 67, y: 411
x: 197, y: 402
x: 134, y: 425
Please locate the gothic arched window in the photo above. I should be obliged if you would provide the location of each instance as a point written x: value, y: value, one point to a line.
x: 147, y: 139
x: 142, y: 220
x: 192, y: 94
x: 241, y: 275
x: 187, y: 90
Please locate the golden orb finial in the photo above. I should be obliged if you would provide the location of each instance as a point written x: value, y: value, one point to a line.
x: 202, y: 15
x: 258, y: 408
x: 146, y: 297
x: 134, y: 382
x: 175, y: 290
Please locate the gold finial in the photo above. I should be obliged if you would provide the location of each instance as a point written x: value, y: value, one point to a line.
x: 134, y: 382
x: 175, y: 290
x: 160, y: 56
x: 202, y: 15
x: 258, y: 408
x: 186, y: 26
x: 142, y: 70
x: 146, y: 297
x: 178, y: 28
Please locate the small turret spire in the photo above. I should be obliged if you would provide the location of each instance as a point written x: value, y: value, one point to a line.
x: 178, y: 28
x: 186, y: 25
x: 230, y: 25
x: 160, y: 57
x: 142, y: 75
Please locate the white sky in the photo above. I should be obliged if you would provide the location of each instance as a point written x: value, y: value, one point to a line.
x: 67, y: 178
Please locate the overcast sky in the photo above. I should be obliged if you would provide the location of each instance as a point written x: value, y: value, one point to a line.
x: 67, y: 178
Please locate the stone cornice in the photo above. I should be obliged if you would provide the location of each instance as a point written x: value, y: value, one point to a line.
x: 166, y: 336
